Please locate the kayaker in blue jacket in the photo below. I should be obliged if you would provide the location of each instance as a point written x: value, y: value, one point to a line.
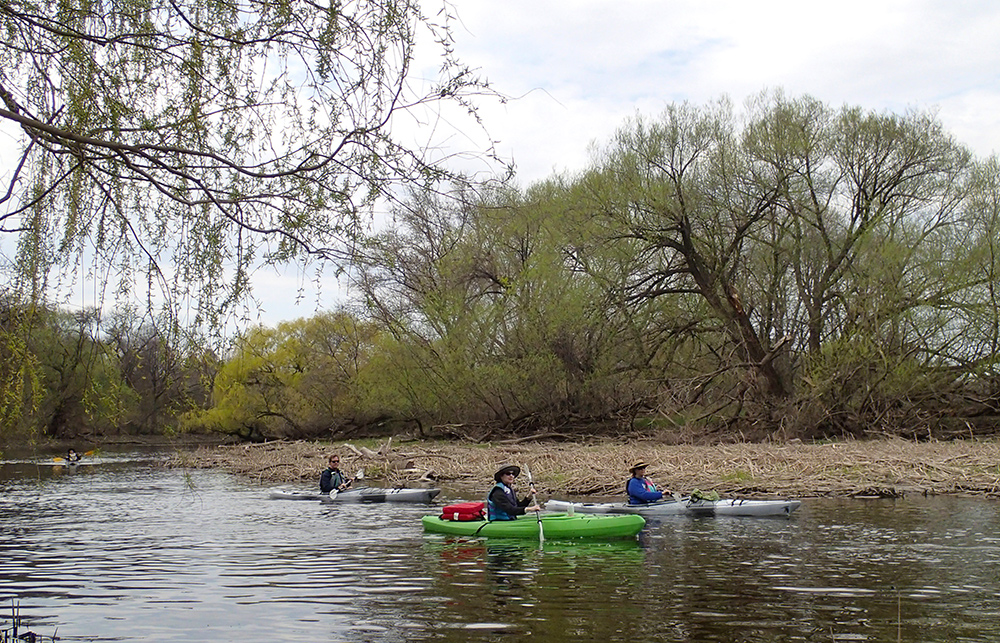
x: 641, y: 490
x: 502, y: 503
x: 333, y: 477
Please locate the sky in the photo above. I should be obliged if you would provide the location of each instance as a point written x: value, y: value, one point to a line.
x: 575, y: 70
x: 579, y: 68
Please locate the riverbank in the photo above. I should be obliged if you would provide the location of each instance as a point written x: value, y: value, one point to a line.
x: 886, y: 468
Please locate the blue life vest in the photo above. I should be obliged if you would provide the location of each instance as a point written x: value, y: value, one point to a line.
x: 495, y: 512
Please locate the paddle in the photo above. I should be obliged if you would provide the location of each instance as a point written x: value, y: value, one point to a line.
x: 79, y: 456
x: 534, y: 501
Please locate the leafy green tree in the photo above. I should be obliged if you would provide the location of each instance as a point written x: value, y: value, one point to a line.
x: 678, y: 191
x: 496, y: 322
x: 867, y: 252
x: 20, y: 386
x: 82, y: 392
x: 168, y: 373
x: 295, y: 381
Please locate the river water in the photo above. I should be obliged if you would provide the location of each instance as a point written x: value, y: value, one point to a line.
x: 124, y: 550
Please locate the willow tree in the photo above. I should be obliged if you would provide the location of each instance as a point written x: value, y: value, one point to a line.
x: 299, y: 380
x: 678, y: 191
x: 498, y: 325
x: 801, y: 241
x: 167, y: 148
x: 878, y: 253
x: 186, y: 141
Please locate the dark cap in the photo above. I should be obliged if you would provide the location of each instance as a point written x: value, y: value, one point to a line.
x: 638, y: 465
x: 509, y: 468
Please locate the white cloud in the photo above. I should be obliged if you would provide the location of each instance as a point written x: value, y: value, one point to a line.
x: 578, y: 68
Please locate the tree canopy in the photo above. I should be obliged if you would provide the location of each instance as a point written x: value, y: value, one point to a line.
x: 791, y: 270
x: 794, y: 267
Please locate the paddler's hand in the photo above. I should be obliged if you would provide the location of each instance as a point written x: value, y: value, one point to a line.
x: 535, y: 508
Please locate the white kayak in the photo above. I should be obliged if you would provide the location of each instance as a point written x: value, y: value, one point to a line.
x: 686, y: 506
x: 361, y: 494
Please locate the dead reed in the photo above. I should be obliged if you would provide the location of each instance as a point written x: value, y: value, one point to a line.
x: 889, y: 467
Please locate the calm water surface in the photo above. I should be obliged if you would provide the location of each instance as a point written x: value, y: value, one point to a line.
x: 122, y: 550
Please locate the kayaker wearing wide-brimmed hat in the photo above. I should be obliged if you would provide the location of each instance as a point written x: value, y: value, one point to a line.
x: 641, y: 490
x: 502, y: 504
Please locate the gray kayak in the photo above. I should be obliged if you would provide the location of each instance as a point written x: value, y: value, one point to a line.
x: 686, y: 506
x: 361, y: 494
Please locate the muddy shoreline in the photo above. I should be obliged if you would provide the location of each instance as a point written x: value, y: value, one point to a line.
x: 882, y: 468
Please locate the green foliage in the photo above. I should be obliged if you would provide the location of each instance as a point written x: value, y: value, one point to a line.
x: 859, y: 384
x: 77, y: 387
x: 801, y: 271
x: 704, y: 263
x: 298, y: 380
x: 496, y: 320
x: 20, y: 385
x: 68, y: 376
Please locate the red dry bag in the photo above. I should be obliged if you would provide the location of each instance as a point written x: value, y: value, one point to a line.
x: 464, y: 511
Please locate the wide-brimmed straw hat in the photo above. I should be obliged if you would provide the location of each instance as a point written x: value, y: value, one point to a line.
x: 509, y: 468
x: 638, y: 465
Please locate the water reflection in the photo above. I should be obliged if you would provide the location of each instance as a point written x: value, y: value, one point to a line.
x: 131, y: 551
x: 530, y: 588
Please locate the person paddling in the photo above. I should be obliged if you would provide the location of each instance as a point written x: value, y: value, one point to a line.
x: 333, y: 477
x: 641, y: 490
x: 502, y: 503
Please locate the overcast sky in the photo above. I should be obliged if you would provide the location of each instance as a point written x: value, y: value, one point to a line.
x: 580, y: 67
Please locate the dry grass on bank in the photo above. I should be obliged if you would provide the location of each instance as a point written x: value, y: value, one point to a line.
x: 883, y: 467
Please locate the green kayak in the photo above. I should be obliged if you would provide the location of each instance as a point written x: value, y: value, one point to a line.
x: 558, y: 526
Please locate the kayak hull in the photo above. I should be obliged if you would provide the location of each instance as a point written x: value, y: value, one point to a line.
x: 294, y: 494
x: 360, y: 495
x: 554, y: 527
x: 725, y: 507
x: 378, y: 494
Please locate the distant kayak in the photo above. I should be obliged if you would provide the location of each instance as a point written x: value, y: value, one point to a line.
x: 361, y: 494
x: 686, y: 506
x: 554, y: 526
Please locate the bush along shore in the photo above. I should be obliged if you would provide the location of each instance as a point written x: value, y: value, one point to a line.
x: 879, y: 468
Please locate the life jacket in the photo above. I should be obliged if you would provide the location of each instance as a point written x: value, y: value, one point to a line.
x: 337, y: 478
x: 647, y: 485
x: 495, y: 512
